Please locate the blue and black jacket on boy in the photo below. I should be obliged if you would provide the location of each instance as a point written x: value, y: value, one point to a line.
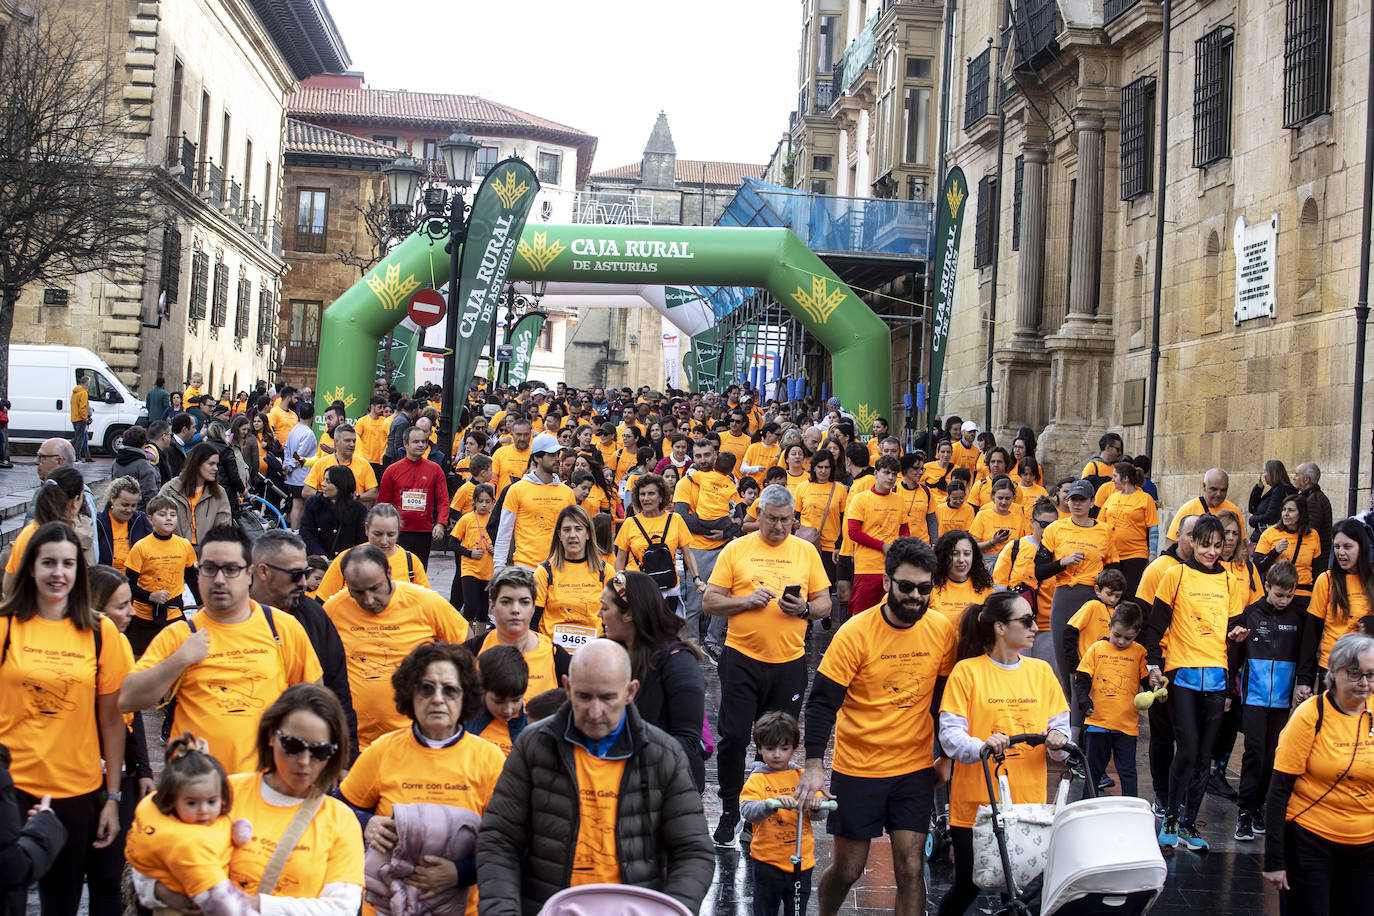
x: 1267, y: 662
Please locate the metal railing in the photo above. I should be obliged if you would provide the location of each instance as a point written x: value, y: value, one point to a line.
x: 825, y: 94
x: 302, y: 353
x: 276, y: 238
x: 255, y: 218
x: 613, y: 207
x: 233, y: 198
x: 309, y: 240
x: 976, y: 88
x: 182, y: 153
x: 1111, y: 9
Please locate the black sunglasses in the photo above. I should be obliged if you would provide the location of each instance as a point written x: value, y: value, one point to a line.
x: 292, y: 746
x: 295, y: 574
x: 906, y: 586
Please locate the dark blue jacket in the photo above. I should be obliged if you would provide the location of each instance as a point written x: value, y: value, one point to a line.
x: 1267, y: 662
x: 478, y: 723
x: 139, y: 528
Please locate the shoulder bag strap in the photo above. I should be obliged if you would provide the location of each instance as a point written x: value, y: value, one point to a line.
x: 271, y: 875
x: 825, y: 513
x: 410, y: 566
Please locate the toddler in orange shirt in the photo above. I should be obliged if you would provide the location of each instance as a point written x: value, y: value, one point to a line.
x: 1106, y: 682
x: 181, y: 838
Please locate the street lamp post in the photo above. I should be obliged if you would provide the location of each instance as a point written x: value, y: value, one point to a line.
x: 403, y: 176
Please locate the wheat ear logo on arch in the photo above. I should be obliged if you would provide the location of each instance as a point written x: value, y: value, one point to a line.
x: 538, y: 253
x: 821, y: 302
x: 508, y: 191
x: 391, y: 289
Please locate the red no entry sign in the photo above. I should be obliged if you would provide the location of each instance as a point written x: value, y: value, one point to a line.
x: 426, y: 308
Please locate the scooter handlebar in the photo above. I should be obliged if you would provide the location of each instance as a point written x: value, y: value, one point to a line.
x: 772, y: 804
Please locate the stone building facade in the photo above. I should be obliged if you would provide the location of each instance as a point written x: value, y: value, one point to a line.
x: 204, y: 85
x: 1256, y: 126
x: 372, y: 127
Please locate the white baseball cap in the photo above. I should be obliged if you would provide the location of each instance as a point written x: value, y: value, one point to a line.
x: 545, y: 443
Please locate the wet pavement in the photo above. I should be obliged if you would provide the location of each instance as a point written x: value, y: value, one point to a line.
x: 1223, y: 882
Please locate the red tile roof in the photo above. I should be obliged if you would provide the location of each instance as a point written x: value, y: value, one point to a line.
x: 321, y: 141
x: 403, y: 106
x: 689, y: 172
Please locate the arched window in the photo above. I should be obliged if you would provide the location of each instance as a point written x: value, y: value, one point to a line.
x: 1135, y: 310
x: 1216, y: 313
x: 1309, y: 259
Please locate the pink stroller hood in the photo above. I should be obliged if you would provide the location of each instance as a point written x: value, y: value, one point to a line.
x: 612, y: 900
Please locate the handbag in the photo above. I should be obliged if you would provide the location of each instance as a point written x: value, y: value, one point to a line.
x: 271, y: 875
x: 1027, y: 828
x: 810, y: 534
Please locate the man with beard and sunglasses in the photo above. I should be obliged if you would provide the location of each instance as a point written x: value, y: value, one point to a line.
x: 879, y: 686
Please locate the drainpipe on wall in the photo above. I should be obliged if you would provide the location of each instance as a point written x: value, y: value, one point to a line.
x: 1362, y: 300
x: 995, y: 208
x: 1161, y: 191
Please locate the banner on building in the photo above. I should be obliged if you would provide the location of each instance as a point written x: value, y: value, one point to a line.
x: 947, y: 226
x: 498, y: 217
x: 523, y: 337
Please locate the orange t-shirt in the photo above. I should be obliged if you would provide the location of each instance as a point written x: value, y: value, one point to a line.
x: 1301, y: 551
x: 1116, y: 675
x: 1335, y: 769
x: 884, y: 727
x: 987, y: 523
x: 1129, y: 518
x: 881, y: 516
x: 1008, y: 701
x: 767, y: 634
x: 543, y: 675
x: 950, y: 519
x: 775, y: 837
x: 821, y: 506
x: 1016, y: 567
x: 1323, y: 607
x: 1093, y: 623
x: 595, y: 860
x: 188, y: 858
x: 951, y: 598
x: 1064, y: 537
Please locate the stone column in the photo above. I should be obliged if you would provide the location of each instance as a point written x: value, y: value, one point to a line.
x: 1086, y: 251
x: 1030, y: 269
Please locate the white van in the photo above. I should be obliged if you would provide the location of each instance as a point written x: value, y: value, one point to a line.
x: 40, y: 390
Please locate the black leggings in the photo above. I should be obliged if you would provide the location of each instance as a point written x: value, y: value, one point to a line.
x: 1132, y: 568
x: 961, y: 895
x: 1197, y: 718
x: 59, y: 891
x: 473, y: 602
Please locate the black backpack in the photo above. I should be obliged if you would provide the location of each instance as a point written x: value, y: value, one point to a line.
x: 657, y: 562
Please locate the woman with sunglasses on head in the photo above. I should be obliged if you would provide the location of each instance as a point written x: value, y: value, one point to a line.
x: 672, y: 688
x: 433, y: 763
x: 61, y: 668
x: 1319, y: 814
x: 994, y: 692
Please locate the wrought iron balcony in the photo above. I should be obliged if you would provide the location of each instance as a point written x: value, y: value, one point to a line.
x: 825, y: 94
x: 1111, y: 9
x: 181, y: 153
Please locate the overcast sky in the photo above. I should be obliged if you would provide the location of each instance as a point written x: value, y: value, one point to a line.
x: 725, y: 71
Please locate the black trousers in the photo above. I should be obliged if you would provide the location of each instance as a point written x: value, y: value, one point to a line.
x: 469, y: 596
x: 418, y: 543
x: 1325, y: 878
x: 1261, y: 726
x: 748, y: 689
x: 1161, y: 720
x: 1132, y: 569
x: 963, y: 892
x: 1226, y: 737
x: 1197, y: 716
x: 59, y: 891
x: 1103, y: 747
x: 775, y: 889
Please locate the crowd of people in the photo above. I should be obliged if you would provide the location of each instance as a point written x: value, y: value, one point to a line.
x: 336, y: 731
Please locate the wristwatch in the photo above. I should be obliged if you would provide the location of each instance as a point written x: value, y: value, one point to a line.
x: 115, y: 797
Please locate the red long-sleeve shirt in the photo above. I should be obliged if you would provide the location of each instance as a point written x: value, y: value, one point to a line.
x: 418, y: 491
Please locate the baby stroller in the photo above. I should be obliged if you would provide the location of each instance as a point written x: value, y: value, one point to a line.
x: 1102, y: 858
x: 617, y: 899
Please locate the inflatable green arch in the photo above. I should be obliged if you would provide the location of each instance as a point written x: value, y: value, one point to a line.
x: 859, y: 341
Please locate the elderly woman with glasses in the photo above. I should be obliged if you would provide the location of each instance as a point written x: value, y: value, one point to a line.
x: 1319, y: 841
x: 442, y: 775
x: 995, y: 692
